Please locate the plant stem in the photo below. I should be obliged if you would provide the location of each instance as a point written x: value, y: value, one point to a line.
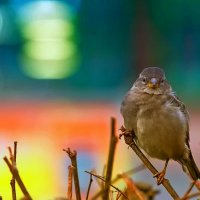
x: 113, y: 142
x: 72, y: 156
x: 89, y: 186
x: 15, y: 173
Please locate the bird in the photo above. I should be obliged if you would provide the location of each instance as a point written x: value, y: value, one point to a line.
x: 159, y: 121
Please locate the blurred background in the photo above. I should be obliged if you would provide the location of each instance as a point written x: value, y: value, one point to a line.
x: 64, y: 69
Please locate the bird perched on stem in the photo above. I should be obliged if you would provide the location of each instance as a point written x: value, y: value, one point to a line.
x: 158, y: 120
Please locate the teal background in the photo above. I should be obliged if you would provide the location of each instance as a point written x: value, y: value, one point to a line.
x: 116, y: 39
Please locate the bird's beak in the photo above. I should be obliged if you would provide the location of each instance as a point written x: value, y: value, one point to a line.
x: 153, y: 83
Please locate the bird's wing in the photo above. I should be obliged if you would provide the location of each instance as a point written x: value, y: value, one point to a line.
x: 176, y: 102
x: 187, y: 163
x: 129, y: 109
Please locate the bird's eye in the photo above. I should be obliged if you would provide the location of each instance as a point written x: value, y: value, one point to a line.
x: 144, y: 80
x: 162, y: 81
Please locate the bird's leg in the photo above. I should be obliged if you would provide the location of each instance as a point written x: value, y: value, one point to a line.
x: 160, y: 175
x: 128, y: 135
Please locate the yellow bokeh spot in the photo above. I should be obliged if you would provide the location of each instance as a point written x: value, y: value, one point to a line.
x: 50, y: 50
x: 50, y: 69
x: 36, y: 170
x: 48, y: 28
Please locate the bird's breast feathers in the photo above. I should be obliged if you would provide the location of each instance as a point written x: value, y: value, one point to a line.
x: 164, y: 126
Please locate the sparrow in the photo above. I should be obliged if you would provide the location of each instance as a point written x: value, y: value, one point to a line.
x: 159, y: 121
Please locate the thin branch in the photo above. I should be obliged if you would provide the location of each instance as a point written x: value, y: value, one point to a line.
x: 89, y: 186
x: 105, y: 181
x: 129, y: 172
x: 131, y: 186
x: 119, y: 176
x: 113, y: 142
x: 196, y: 194
x: 70, y: 180
x: 11, y: 155
x: 13, y: 158
x: 111, y: 195
x: 72, y: 156
x: 118, y: 196
x: 15, y: 173
x: 188, y: 191
x: 102, y: 184
x: 129, y: 141
x: 15, y: 151
x: 98, y: 181
x: 197, y: 184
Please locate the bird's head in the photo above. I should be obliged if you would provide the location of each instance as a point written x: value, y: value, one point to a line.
x: 152, y: 81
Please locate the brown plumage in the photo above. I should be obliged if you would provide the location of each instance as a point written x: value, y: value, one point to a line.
x: 159, y: 120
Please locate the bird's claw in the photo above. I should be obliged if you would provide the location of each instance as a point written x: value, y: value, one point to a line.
x: 122, y: 129
x: 160, y: 177
x: 128, y: 135
x: 126, y: 132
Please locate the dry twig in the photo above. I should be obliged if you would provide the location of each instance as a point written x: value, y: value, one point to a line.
x: 118, y: 196
x: 15, y: 173
x: 13, y: 158
x: 197, y: 184
x: 113, y: 142
x: 119, y: 176
x: 196, y: 194
x: 132, y: 187
x: 129, y: 172
x: 185, y: 197
x: 97, y: 176
x: 70, y: 180
x: 97, y: 180
x: 72, y: 156
x: 102, y: 184
x: 89, y: 186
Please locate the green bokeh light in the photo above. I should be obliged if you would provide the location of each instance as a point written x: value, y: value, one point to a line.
x: 44, y: 29
x: 50, y: 50
x: 46, y: 69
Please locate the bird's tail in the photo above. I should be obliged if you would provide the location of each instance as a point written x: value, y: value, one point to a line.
x: 191, y: 167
